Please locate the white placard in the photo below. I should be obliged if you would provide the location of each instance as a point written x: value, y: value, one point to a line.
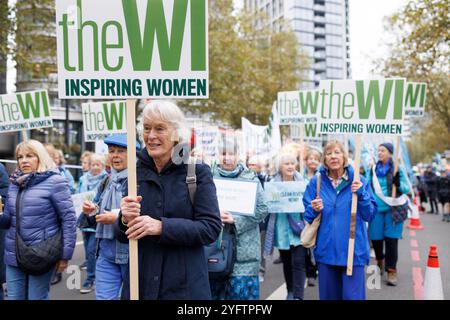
x: 415, y: 99
x: 297, y: 106
x: 25, y: 111
x: 207, y: 140
x: 372, y: 107
x: 237, y: 196
x: 102, y: 119
x: 79, y: 198
x: 116, y: 49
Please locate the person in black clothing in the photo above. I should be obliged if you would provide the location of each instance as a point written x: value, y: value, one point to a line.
x: 4, y: 183
x: 431, y: 180
x: 444, y: 193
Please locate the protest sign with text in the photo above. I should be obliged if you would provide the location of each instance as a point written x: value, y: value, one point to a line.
x: 25, y: 111
x: 236, y: 196
x: 362, y: 106
x: 284, y: 197
x: 415, y: 99
x: 120, y: 49
x: 102, y: 119
x: 297, y: 106
x: 207, y: 140
x: 78, y: 200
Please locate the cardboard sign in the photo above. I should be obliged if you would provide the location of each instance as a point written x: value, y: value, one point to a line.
x: 116, y: 49
x: 373, y: 107
x: 25, y: 111
x: 207, y: 140
x: 311, y: 135
x: 237, y: 196
x: 284, y: 197
x: 103, y: 119
x: 415, y: 99
x: 297, y: 106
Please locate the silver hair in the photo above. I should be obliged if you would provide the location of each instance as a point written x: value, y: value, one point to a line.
x: 283, y: 158
x: 168, y: 112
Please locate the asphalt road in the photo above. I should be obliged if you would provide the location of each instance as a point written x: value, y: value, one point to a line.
x: 413, y: 255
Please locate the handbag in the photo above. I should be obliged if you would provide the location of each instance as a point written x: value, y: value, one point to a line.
x: 40, y: 258
x: 296, y: 226
x: 308, y: 236
x: 221, y: 254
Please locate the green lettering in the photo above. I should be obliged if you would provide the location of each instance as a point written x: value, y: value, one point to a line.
x: 373, y: 97
x: 106, y: 46
x: 112, y: 115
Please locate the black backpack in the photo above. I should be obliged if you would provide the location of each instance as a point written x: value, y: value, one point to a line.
x: 221, y: 254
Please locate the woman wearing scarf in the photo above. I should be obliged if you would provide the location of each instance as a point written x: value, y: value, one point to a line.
x: 383, y: 230
x: 90, y: 182
x: 45, y: 207
x: 244, y: 282
x: 112, y: 261
x: 287, y: 240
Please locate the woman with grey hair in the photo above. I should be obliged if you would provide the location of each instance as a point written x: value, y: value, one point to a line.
x: 243, y: 283
x: 282, y: 233
x: 170, y: 228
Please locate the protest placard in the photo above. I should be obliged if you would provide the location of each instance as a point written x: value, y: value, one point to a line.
x: 108, y: 49
x: 78, y: 200
x: 415, y: 99
x: 236, y: 196
x: 25, y: 111
x: 284, y: 197
x: 102, y: 119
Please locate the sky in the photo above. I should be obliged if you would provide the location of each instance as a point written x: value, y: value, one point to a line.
x: 366, y: 35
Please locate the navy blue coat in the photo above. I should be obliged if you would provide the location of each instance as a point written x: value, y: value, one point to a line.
x: 173, y: 265
x: 45, y: 201
x: 4, y: 182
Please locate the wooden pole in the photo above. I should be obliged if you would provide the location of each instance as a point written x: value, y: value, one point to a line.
x: 132, y: 192
x: 302, y: 134
x: 24, y: 135
x: 396, y: 160
x: 351, y: 241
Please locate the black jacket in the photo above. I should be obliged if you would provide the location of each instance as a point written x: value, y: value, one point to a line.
x: 173, y: 265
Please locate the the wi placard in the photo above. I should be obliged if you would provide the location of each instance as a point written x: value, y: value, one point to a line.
x: 102, y: 119
x: 415, y: 99
x: 25, y: 111
x: 370, y: 107
x: 297, y: 106
x: 116, y: 49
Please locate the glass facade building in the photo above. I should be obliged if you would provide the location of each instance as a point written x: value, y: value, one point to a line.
x: 322, y: 29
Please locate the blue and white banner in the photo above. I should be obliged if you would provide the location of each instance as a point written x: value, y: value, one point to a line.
x: 286, y: 197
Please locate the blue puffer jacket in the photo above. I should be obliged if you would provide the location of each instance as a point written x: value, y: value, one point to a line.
x: 45, y: 201
x: 334, y: 230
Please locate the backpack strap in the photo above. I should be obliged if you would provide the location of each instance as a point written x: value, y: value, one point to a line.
x: 191, y: 179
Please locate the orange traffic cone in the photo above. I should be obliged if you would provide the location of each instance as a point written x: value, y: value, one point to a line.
x: 433, y: 281
x: 414, y: 221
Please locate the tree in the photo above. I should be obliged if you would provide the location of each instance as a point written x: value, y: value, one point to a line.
x: 5, y: 31
x: 421, y: 52
x: 248, y: 65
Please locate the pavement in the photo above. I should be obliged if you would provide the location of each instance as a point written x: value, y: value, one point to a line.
x: 412, y: 261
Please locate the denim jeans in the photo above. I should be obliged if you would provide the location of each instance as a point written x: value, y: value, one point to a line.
x: 109, y: 279
x: 90, y: 245
x: 22, y: 286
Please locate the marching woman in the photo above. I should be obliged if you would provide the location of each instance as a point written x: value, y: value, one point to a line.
x: 243, y: 283
x: 334, y: 203
x: 45, y: 207
x: 112, y: 261
x: 383, y: 230
x: 282, y: 236
x: 172, y: 230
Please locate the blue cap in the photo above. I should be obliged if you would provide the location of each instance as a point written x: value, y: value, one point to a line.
x: 120, y: 140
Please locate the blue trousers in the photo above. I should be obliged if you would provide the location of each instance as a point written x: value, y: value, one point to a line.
x: 109, y: 279
x: 90, y: 243
x: 22, y: 286
x: 334, y: 284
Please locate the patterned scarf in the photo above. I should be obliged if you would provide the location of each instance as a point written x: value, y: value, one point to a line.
x: 231, y: 174
x: 110, y: 199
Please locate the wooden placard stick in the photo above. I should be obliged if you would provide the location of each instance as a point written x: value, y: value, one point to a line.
x: 396, y: 160
x: 24, y: 135
x: 302, y: 140
x: 132, y: 192
x: 351, y: 241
